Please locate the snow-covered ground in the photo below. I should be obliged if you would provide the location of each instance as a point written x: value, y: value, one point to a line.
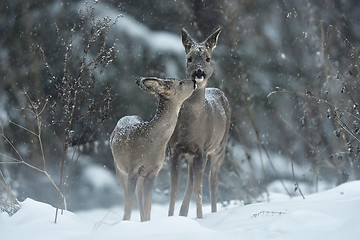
x: 330, y: 215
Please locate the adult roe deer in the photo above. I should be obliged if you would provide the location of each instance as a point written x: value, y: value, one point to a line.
x: 202, y: 129
x: 138, y: 147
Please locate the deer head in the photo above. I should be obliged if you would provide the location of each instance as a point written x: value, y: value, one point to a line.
x: 168, y: 88
x: 199, y: 66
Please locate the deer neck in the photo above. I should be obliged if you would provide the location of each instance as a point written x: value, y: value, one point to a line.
x: 196, y: 102
x: 164, y: 121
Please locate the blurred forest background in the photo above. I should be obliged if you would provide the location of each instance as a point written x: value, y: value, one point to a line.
x: 290, y: 70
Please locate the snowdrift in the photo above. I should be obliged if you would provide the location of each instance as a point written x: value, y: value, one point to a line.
x: 332, y: 214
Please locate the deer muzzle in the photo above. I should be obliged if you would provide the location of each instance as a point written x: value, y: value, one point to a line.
x: 199, y: 75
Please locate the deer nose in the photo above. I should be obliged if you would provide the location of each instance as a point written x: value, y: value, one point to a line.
x: 199, y: 74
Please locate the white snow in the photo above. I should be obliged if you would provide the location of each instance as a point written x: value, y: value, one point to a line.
x: 331, y: 215
x: 124, y: 127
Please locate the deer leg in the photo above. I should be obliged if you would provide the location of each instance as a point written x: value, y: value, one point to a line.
x: 140, y: 196
x: 122, y: 179
x: 216, y: 162
x: 129, y: 196
x: 148, y: 186
x: 174, y: 185
x: 184, y: 209
x: 199, y: 166
x: 213, y: 180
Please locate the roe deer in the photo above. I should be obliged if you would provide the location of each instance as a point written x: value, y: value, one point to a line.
x: 138, y: 147
x: 202, y: 129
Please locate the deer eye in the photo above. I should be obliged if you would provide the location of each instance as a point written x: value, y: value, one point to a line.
x: 208, y: 59
x: 189, y: 59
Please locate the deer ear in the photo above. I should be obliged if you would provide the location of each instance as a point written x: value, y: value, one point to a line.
x: 186, y: 40
x: 211, y: 41
x: 149, y: 84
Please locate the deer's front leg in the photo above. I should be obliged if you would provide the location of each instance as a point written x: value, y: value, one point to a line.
x: 174, y: 185
x: 190, y: 185
x: 199, y: 167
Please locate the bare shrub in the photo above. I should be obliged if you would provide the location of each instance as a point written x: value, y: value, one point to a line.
x: 72, y: 111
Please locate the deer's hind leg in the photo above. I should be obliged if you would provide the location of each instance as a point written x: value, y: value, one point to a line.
x: 129, y: 196
x: 214, y: 181
x: 140, y: 196
x: 122, y: 177
x: 147, y: 193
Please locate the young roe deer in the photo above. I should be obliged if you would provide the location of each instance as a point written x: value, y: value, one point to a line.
x: 138, y: 147
x: 202, y: 129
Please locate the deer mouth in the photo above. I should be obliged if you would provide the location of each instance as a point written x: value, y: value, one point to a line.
x: 199, y: 75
